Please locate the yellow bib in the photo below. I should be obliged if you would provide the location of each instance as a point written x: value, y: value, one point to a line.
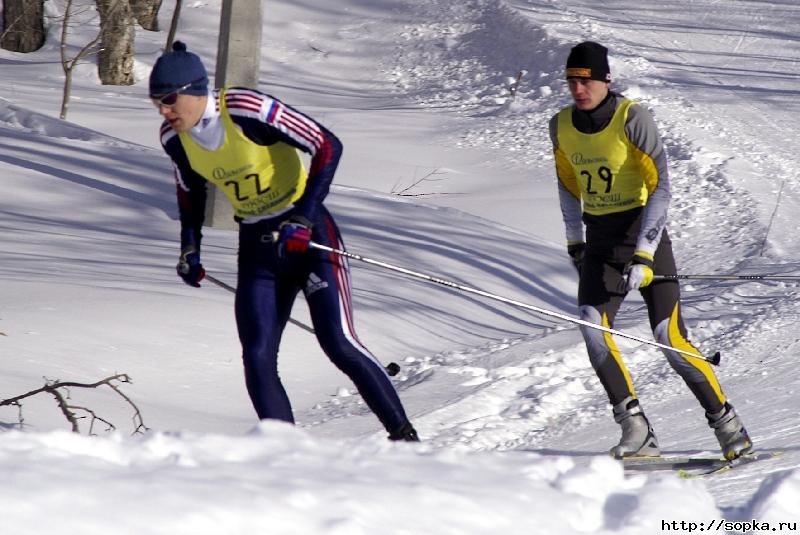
x: 605, y: 164
x: 257, y: 179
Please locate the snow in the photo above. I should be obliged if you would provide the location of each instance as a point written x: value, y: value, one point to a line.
x: 513, y: 420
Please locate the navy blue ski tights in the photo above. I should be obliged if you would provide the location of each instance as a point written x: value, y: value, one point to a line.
x: 266, y: 290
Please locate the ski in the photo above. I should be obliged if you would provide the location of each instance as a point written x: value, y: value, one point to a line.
x: 671, y: 462
x: 747, y: 458
x: 692, y: 466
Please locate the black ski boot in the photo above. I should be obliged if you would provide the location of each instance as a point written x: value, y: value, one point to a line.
x: 405, y: 433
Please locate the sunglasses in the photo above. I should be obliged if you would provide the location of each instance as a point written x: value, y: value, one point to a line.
x: 171, y: 98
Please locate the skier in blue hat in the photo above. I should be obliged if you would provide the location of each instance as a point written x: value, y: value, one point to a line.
x: 245, y: 143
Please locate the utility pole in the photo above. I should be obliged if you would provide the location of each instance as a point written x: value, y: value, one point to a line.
x: 238, y: 64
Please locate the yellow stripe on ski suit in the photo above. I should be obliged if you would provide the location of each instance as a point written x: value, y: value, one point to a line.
x: 678, y: 341
x: 612, y: 348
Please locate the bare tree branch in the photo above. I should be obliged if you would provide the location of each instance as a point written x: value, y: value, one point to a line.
x: 514, y: 87
x: 406, y: 192
x: 317, y: 49
x: 69, y: 65
x: 60, y: 391
x: 138, y: 421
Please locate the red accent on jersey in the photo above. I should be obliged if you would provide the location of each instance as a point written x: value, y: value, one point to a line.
x: 321, y: 158
x: 244, y: 101
x: 300, y: 127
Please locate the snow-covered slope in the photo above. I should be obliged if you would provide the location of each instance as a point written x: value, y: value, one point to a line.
x: 513, y: 420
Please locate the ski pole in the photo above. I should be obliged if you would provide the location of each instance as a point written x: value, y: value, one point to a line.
x: 392, y: 368
x: 232, y: 290
x: 749, y: 278
x: 713, y: 359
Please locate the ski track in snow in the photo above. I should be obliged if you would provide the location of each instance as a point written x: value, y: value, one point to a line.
x: 499, y: 397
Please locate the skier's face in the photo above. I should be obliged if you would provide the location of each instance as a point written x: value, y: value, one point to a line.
x: 587, y: 94
x: 184, y: 111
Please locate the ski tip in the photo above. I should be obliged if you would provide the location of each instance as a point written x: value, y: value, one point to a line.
x: 392, y: 369
x: 715, y: 359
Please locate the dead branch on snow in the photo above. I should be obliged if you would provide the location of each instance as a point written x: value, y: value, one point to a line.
x: 73, y: 413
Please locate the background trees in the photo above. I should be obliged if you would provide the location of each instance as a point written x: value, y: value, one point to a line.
x: 117, y: 35
x: 24, y: 30
x: 23, y: 25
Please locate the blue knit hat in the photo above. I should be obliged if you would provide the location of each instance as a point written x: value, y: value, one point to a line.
x: 177, y: 68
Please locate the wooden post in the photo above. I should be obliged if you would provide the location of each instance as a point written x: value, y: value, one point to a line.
x: 238, y: 64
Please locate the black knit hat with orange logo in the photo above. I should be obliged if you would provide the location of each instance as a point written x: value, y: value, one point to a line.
x: 589, y: 60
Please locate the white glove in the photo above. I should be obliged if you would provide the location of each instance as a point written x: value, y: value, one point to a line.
x: 636, y: 276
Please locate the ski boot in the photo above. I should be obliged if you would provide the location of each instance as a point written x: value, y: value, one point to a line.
x: 638, y: 439
x: 406, y: 433
x: 731, y: 434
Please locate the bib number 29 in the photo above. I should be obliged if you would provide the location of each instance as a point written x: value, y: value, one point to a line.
x: 604, y: 174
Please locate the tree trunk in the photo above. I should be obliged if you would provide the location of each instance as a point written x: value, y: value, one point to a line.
x: 146, y: 13
x: 117, y: 33
x: 23, y: 25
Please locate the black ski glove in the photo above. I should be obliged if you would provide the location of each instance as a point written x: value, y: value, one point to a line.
x: 189, y: 267
x: 577, y: 252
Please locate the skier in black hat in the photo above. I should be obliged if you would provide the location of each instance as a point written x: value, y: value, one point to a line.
x: 614, y: 192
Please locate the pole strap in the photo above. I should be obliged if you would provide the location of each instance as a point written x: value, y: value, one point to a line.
x: 450, y: 284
